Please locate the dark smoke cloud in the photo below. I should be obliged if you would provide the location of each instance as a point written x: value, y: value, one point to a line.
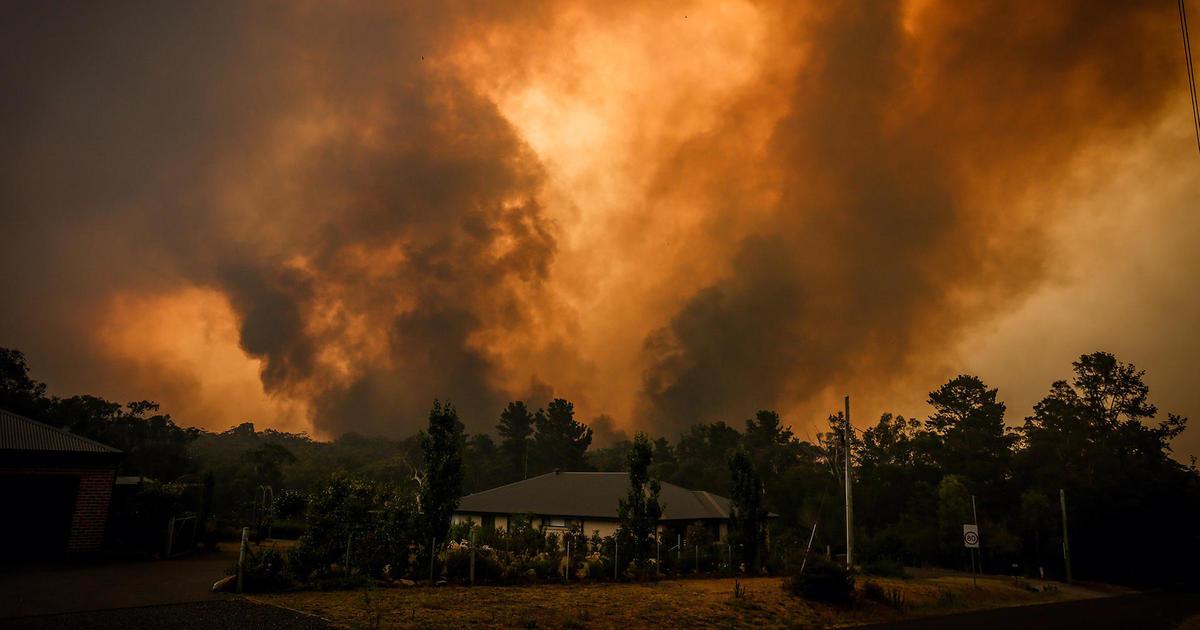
x: 140, y: 123
x: 883, y: 244
x: 605, y: 432
x: 344, y: 176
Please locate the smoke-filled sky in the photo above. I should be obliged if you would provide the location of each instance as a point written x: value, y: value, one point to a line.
x: 319, y: 216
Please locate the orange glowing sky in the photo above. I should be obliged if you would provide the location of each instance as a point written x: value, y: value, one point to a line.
x: 318, y: 217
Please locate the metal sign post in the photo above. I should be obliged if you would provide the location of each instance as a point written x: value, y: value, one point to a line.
x: 971, y: 542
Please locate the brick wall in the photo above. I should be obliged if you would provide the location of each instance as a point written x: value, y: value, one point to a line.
x: 91, y: 501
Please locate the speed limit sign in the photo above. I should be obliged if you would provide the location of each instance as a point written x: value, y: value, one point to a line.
x: 971, y: 536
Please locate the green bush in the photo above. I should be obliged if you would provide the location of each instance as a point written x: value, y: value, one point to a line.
x: 291, y: 504
x: 822, y: 581
x: 375, y: 520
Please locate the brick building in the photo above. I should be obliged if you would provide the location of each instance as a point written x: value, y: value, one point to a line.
x: 55, y: 488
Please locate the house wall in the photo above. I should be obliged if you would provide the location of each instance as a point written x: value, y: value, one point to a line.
x: 605, y: 527
x: 91, y: 500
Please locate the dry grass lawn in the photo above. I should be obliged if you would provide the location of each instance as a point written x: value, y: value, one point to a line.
x: 668, y: 603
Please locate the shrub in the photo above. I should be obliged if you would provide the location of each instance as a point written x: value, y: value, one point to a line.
x: 822, y: 581
x: 890, y: 596
x: 287, y: 530
x: 595, y: 569
x: 291, y: 504
x: 265, y: 570
x: 884, y: 567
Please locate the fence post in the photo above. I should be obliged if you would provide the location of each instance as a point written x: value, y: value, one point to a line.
x: 567, y: 566
x: 697, y: 557
x: 472, y: 557
x: 616, y: 557
x: 432, y: 544
x: 349, y: 539
x: 657, y: 554
x: 170, y: 538
x: 242, y: 557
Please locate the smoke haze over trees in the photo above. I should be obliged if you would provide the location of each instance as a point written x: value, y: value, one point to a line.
x: 1096, y: 435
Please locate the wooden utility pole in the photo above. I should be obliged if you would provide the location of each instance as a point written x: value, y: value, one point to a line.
x: 849, y: 496
x: 1062, y: 500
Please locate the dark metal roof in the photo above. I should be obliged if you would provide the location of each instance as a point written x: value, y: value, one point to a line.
x: 18, y: 433
x: 589, y: 494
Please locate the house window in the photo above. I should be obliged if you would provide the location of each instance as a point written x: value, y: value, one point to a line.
x: 488, y: 520
x: 556, y: 521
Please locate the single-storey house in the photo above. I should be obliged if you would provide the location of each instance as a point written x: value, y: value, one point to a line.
x: 559, y: 500
x: 55, y: 489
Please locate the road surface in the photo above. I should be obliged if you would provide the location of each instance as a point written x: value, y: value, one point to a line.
x: 1139, y: 611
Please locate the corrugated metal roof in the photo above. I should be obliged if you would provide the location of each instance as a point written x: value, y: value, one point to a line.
x: 18, y: 433
x: 589, y: 494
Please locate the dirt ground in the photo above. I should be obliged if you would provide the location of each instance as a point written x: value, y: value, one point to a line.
x: 667, y: 603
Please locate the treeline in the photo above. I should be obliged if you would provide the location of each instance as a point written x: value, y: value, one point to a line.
x: 1095, y: 437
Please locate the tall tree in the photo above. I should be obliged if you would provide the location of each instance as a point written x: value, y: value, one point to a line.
x: 747, y: 515
x: 19, y: 393
x: 640, y: 510
x: 768, y: 440
x: 1095, y: 438
x: 484, y: 464
x: 515, y: 428
x: 268, y: 461
x: 968, y: 423
x: 561, y: 442
x: 698, y: 448
x: 442, y: 483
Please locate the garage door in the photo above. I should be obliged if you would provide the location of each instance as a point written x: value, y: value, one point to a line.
x: 37, y: 515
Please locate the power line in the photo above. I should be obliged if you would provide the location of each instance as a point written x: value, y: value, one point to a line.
x: 1187, y: 53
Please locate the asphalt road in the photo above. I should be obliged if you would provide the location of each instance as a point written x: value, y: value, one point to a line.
x: 229, y: 613
x: 1141, y: 611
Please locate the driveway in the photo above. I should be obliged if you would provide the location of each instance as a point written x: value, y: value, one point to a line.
x: 45, y: 590
x: 172, y: 594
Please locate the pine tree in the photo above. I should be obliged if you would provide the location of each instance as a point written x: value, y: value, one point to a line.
x: 561, y: 442
x: 747, y: 515
x: 442, y: 486
x: 515, y: 428
x: 640, y: 510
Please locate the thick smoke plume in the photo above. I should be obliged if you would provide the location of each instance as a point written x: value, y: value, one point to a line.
x: 911, y: 134
x: 322, y: 216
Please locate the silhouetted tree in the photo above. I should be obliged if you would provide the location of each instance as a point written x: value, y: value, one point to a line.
x: 639, y: 511
x: 19, y: 393
x: 747, y: 515
x: 515, y: 428
x: 1093, y: 438
x: 484, y: 466
x: 560, y: 441
x: 268, y: 461
x: 968, y: 424
x: 442, y: 484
